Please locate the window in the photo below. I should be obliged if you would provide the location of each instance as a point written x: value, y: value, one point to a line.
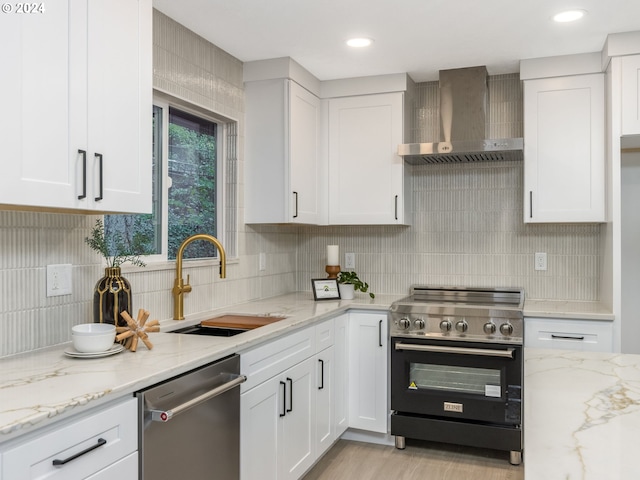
x: 187, y: 166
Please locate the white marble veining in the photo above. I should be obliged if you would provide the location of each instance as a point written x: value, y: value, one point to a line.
x: 46, y: 385
x: 582, y: 415
x: 568, y: 310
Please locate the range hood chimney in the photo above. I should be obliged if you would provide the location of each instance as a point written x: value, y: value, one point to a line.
x: 463, y: 112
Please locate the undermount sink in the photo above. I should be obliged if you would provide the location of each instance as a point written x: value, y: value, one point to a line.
x: 228, y: 324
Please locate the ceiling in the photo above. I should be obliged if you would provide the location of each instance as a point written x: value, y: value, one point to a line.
x: 419, y: 37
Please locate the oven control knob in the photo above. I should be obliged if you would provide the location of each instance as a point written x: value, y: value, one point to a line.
x: 462, y: 326
x: 419, y: 323
x: 506, y: 329
x: 489, y: 328
x: 445, y: 325
x: 404, y: 323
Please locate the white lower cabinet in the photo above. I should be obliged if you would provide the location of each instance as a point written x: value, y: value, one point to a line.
x: 286, y: 417
x: 296, y: 435
x: 341, y: 375
x: 368, y: 360
x: 99, y: 445
x: 277, y: 431
x: 324, y: 392
x: 585, y: 335
x: 305, y: 389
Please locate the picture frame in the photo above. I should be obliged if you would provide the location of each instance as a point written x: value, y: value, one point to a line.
x: 325, y: 289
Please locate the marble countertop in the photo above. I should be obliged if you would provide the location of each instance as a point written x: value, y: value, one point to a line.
x: 43, y: 386
x: 582, y: 415
x: 567, y: 310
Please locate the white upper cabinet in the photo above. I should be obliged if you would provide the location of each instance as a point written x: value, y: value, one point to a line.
x: 323, y: 152
x: 564, y: 175
x: 366, y: 176
x: 76, y: 98
x: 631, y: 95
x: 284, y: 174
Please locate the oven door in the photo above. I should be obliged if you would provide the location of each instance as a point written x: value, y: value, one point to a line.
x: 462, y: 380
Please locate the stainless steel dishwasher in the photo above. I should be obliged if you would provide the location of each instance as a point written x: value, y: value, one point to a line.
x: 190, y: 425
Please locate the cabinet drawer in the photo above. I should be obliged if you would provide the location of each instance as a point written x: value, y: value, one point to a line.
x: 125, y: 469
x: 324, y: 335
x: 106, y: 436
x: 275, y: 357
x: 586, y: 335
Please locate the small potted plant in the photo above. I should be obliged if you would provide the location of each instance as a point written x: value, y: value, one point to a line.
x: 112, y: 293
x: 349, y: 282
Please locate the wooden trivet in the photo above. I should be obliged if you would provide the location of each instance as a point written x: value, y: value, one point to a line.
x: 136, y: 329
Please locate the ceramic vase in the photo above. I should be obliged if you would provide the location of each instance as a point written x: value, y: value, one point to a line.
x: 346, y: 291
x: 111, y: 295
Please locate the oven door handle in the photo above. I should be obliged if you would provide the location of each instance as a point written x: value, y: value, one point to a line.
x: 483, y: 352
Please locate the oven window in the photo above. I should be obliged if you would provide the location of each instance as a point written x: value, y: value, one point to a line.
x: 478, y: 381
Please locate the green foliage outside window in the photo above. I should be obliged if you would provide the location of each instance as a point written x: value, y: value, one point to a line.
x: 192, y: 196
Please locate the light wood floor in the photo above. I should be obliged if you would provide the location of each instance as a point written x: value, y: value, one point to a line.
x: 420, y: 460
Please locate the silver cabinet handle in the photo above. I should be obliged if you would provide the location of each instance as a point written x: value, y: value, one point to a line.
x: 166, y: 415
x: 483, y: 352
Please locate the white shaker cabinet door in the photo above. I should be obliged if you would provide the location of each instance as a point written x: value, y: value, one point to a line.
x: 366, y: 176
x: 341, y: 374
x: 260, y: 410
x: 368, y: 406
x: 285, y: 179
x: 120, y: 104
x: 297, y: 433
x: 325, y: 404
x: 76, y: 96
x: 631, y: 95
x: 564, y: 149
x: 39, y: 153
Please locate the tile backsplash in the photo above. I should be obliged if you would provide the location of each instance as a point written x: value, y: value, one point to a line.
x: 466, y: 229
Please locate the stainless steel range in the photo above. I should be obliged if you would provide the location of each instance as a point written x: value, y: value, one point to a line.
x: 456, y: 367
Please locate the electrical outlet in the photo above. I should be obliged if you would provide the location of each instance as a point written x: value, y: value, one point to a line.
x: 58, y: 280
x: 540, y: 261
x: 262, y: 262
x: 349, y: 260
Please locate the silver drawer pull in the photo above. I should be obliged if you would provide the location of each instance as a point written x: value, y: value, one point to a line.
x: 57, y: 462
x: 483, y: 352
x: 166, y: 415
x: 567, y: 337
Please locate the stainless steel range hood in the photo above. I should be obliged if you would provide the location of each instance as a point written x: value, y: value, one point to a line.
x: 463, y: 114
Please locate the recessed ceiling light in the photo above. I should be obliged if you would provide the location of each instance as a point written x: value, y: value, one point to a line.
x: 359, y: 42
x: 569, y: 16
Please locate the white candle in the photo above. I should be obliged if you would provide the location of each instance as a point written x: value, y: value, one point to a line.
x: 333, y: 255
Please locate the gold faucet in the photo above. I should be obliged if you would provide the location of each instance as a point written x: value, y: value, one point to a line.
x: 179, y: 287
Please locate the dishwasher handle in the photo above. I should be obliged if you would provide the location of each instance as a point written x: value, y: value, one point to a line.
x: 166, y: 415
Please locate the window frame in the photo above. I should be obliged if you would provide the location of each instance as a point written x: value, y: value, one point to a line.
x: 161, y: 261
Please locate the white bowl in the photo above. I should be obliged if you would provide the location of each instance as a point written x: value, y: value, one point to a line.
x: 93, y: 337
